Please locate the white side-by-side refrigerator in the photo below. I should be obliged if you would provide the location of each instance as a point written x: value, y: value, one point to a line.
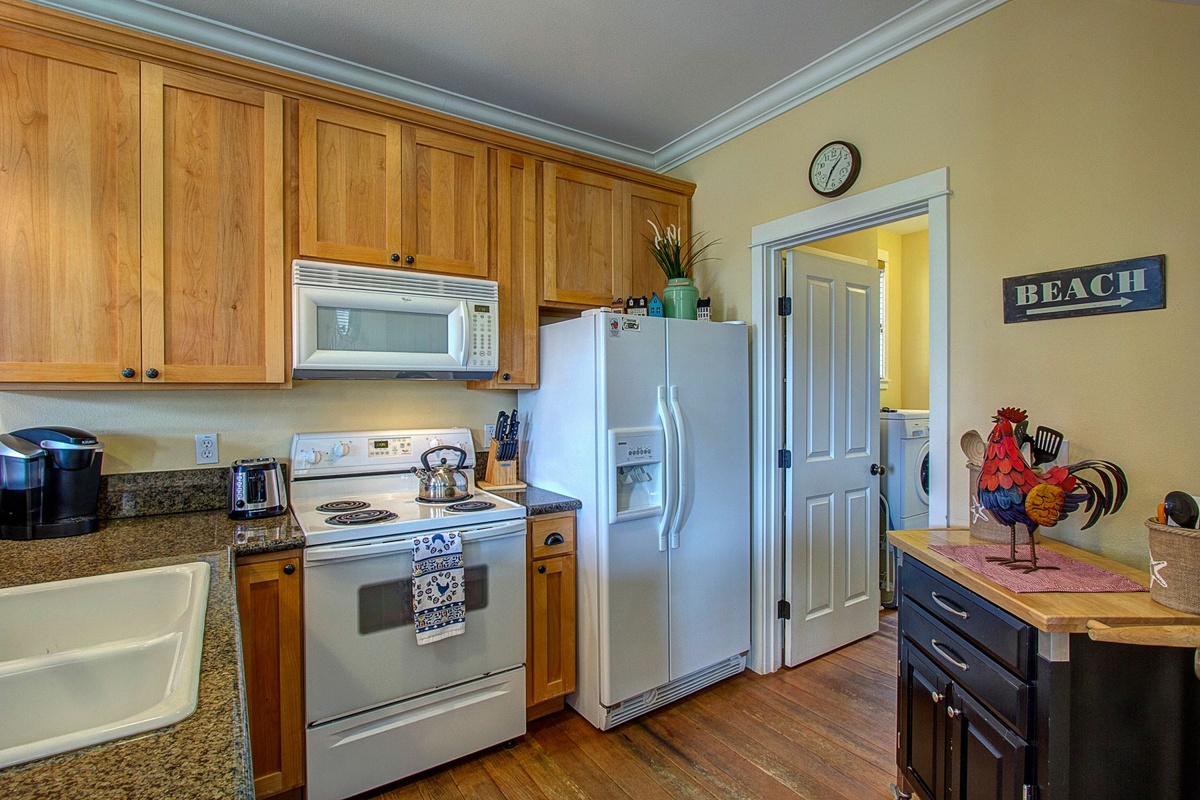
x: 646, y: 420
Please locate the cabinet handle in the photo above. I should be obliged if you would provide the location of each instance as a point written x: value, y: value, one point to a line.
x: 554, y: 538
x: 152, y: 373
x: 958, y: 612
x: 409, y: 259
x: 506, y: 377
x: 952, y: 712
x: 395, y: 258
x: 937, y: 697
x: 288, y: 569
x: 897, y: 794
x: 542, y: 569
x: 128, y: 372
x: 964, y: 667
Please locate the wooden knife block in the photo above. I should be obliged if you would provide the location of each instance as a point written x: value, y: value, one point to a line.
x: 501, y: 474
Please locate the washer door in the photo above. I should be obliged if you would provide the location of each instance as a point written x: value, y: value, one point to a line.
x: 921, y: 474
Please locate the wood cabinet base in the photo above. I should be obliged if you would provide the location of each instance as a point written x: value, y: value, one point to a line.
x: 544, y: 708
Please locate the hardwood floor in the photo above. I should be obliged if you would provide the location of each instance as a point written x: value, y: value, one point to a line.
x: 825, y: 730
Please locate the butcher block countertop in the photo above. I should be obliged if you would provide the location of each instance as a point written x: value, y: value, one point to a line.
x: 1052, y: 612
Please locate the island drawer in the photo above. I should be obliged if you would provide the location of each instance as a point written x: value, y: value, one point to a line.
x: 1001, y: 635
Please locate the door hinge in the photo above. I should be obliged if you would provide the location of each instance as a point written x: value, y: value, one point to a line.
x: 1028, y: 792
x: 785, y: 459
x: 785, y: 609
x: 785, y: 306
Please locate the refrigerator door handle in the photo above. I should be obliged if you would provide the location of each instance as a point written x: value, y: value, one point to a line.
x: 668, y: 514
x: 681, y: 460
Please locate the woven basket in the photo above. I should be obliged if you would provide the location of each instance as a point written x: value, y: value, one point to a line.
x: 1175, y: 566
x: 983, y: 526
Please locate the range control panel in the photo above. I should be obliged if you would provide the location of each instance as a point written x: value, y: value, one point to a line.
x: 374, y: 451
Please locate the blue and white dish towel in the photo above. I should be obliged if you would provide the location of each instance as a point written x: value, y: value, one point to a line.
x: 439, y: 590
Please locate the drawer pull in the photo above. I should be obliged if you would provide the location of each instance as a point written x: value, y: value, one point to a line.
x: 958, y: 612
x: 553, y: 539
x: 952, y: 712
x: 937, y: 697
x: 961, y: 665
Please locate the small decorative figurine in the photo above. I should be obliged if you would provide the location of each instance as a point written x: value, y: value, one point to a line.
x: 704, y: 308
x: 636, y: 306
x: 618, y: 305
x: 656, y: 306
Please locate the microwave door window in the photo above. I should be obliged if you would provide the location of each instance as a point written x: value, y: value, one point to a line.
x: 381, y: 331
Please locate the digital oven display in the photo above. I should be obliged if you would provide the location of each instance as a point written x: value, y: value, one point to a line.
x: 483, y: 309
x: 379, y: 444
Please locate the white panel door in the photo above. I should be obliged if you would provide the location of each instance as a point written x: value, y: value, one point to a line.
x: 832, y: 520
x: 633, y: 640
x: 708, y: 371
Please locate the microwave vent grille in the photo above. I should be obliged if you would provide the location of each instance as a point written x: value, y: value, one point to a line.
x: 340, y: 276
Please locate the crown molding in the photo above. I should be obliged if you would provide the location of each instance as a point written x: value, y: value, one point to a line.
x: 894, y: 37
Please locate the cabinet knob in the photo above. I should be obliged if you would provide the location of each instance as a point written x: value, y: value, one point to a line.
x: 876, y: 469
x: 542, y: 569
x: 952, y: 712
x: 937, y: 697
x: 553, y: 539
x: 506, y: 377
x: 128, y: 372
x: 409, y: 259
x: 288, y: 569
x: 395, y: 258
x: 152, y: 373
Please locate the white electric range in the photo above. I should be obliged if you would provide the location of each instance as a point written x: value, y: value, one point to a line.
x: 379, y: 706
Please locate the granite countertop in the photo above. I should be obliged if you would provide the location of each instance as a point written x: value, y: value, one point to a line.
x: 540, y: 501
x: 204, y: 756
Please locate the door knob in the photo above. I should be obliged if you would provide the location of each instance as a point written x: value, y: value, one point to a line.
x: 876, y: 469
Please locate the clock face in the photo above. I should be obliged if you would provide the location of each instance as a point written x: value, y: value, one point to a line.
x: 834, y: 168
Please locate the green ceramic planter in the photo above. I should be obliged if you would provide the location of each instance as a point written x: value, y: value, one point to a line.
x: 679, y: 298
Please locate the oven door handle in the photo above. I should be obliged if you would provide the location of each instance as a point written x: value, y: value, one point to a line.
x: 346, y: 552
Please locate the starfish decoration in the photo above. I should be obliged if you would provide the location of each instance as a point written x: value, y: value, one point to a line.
x: 978, y: 512
x: 1155, y: 566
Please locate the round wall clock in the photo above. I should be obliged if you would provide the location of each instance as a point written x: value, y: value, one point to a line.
x: 834, y: 168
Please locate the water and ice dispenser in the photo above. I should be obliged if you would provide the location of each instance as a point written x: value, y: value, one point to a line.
x: 636, y: 489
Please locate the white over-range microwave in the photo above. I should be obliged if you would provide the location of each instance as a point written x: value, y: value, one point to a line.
x: 371, y: 322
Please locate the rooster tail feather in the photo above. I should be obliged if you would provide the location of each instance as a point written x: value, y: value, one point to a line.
x: 1108, y: 496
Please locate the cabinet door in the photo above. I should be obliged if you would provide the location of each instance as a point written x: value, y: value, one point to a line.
x: 444, y: 203
x: 69, y: 179
x: 921, y: 716
x: 212, y: 230
x: 665, y: 208
x: 551, y: 628
x: 986, y: 760
x: 269, y: 593
x: 350, y: 172
x: 514, y: 260
x: 584, y: 262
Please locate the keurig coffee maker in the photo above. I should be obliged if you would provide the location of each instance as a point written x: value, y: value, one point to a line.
x: 49, y: 483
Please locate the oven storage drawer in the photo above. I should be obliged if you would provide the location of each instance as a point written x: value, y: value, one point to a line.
x: 1004, y: 694
x: 358, y: 753
x: 1001, y: 635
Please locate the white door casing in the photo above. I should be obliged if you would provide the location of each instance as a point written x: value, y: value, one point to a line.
x: 832, y: 429
x: 928, y: 193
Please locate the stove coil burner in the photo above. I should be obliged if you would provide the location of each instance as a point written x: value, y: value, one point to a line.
x: 473, y: 505
x: 338, y: 506
x: 361, y: 517
x: 442, y: 501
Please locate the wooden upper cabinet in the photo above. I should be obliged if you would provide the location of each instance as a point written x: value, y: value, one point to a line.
x: 584, y: 261
x: 349, y: 185
x: 650, y: 203
x: 212, y: 230
x: 514, y: 225
x: 69, y: 174
x: 375, y: 191
x: 444, y: 203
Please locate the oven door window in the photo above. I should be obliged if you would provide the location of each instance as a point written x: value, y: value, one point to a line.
x: 383, y: 606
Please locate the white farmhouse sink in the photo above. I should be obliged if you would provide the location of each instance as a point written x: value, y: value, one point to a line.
x: 89, y: 660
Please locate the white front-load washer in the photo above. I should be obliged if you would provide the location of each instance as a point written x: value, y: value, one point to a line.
x: 904, y: 449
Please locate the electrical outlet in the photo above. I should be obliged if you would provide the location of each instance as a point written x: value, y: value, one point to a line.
x: 489, y: 432
x: 206, y: 448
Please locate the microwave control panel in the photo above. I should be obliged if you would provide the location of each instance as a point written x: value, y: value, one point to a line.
x: 485, y: 334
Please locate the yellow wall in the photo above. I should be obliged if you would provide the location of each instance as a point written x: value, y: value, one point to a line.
x: 1069, y: 129
x: 154, y: 430
x: 914, y: 342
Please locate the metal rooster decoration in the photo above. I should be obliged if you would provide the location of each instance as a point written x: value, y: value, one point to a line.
x: 1016, y: 494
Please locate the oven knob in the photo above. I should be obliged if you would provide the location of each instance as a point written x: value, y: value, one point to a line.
x: 310, y: 456
x: 339, y: 450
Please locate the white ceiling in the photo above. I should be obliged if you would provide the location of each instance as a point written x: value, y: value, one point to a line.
x: 649, y: 82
